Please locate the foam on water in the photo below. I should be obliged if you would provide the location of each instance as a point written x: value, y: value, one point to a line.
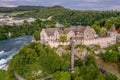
x: 3, y: 61
x: 1, y: 52
x: 2, y: 66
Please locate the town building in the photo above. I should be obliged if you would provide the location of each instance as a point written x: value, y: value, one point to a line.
x: 14, y: 20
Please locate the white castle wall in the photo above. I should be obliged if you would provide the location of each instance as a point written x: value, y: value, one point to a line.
x: 57, y: 43
x: 103, y: 42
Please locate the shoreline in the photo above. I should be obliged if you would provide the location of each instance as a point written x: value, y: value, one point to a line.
x: 5, y: 68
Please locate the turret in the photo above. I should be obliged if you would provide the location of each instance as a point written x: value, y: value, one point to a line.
x: 112, y: 32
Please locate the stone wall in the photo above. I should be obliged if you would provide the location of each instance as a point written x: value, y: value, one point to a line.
x: 103, y: 42
x: 57, y: 43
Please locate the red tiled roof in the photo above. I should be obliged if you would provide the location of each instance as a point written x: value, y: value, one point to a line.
x: 67, y: 30
x: 50, y: 31
x: 118, y: 31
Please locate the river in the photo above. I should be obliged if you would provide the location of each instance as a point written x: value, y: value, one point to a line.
x: 9, y: 47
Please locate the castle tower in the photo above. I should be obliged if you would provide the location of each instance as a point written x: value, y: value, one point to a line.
x: 112, y: 32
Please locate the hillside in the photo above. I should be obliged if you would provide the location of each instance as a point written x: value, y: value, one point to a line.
x: 36, y: 60
x: 61, y: 14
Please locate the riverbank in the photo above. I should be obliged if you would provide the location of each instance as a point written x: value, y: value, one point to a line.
x: 5, y: 67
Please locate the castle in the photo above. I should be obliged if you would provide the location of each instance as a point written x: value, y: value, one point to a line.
x: 80, y: 35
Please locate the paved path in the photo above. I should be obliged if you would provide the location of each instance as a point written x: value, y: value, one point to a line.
x: 21, y: 78
x: 18, y: 77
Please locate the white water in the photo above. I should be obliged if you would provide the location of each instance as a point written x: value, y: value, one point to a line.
x: 1, y: 52
x: 8, y: 48
x: 3, y: 61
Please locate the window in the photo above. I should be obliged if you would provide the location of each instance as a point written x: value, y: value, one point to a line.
x: 87, y: 35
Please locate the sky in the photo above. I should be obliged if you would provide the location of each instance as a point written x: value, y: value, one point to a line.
x: 72, y: 4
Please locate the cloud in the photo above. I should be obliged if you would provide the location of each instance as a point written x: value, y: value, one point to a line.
x: 8, y: 0
x: 56, y: 3
x: 92, y: 0
x: 7, y: 5
x: 30, y: 0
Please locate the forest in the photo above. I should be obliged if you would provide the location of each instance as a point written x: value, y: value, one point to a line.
x: 59, y: 14
x: 63, y: 15
x: 37, y: 60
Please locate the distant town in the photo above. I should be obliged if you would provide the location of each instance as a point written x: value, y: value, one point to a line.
x: 14, y: 20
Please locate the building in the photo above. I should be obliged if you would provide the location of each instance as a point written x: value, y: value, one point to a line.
x: 14, y: 20
x: 79, y: 34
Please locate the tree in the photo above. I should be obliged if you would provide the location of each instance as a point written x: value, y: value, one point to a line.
x: 111, y: 77
x: 110, y: 56
x: 36, y: 35
x: 7, y: 75
x: 96, y: 28
x: 78, y: 78
x: 36, y: 57
x: 103, y: 31
x: 61, y: 76
x: 100, y: 76
x: 63, y: 38
x: 108, y: 23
